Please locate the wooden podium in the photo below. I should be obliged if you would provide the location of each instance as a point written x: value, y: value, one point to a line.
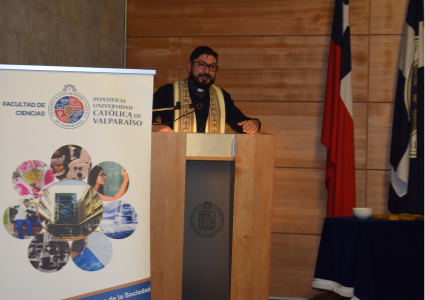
x: 253, y: 157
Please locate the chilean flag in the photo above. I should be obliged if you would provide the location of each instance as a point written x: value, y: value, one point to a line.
x: 338, y: 125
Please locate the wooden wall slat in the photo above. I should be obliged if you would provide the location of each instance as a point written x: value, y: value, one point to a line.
x: 299, y: 200
x: 297, y: 127
x: 360, y: 67
x: 361, y: 188
x: 235, y: 18
x: 293, y: 260
x: 167, y: 214
x: 379, y: 133
x: 384, y: 51
x: 251, y: 68
x: 378, y: 185
x: 387, y: 16
x: 300, y: 197
x: 360, y: 134
x: 254, y: 68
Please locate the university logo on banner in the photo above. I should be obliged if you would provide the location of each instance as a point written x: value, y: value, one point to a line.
x: 69, y: 109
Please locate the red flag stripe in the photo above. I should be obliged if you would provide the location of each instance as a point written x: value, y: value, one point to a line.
x: 338, y: 137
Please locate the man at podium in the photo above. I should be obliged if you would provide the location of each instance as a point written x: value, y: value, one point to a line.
x: 204, y: 106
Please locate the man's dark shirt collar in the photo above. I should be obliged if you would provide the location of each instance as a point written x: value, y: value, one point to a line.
x: 194, y: 89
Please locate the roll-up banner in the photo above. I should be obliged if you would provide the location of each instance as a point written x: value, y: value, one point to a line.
x: 75, y: 182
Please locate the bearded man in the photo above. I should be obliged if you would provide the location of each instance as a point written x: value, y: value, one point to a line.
x: 198, y: 89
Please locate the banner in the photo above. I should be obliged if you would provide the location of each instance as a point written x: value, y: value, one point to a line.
x: 75, y: 182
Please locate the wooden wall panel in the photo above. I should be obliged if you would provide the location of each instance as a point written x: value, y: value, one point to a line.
x: 361, y: 188
x: 360, y: 67
x: 273, y: 61
x: 297, y: 127
x: 293, y: 259
x: 253, y: 68
x: 378, y: 185
x: 77, y: 33
x: 360, y: 134
x: 299, y: 199
x: 387, y: 16
x: 379, y: 135
x: 235, y: 18
x: 384, y: 51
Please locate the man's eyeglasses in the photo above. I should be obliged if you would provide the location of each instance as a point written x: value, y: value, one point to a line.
x: 102, y: 175
x: 203, y: 65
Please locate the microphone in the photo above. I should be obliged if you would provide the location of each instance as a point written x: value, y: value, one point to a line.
x: 197, y: 106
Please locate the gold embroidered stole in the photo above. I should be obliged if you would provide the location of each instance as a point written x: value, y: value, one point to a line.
x: 187, y: 123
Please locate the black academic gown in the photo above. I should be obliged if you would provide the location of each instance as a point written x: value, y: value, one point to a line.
x: 163, y: 97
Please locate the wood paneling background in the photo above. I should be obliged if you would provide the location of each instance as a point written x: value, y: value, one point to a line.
x: 273, y: 61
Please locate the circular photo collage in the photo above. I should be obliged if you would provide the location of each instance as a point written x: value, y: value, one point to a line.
x: 70, y: 201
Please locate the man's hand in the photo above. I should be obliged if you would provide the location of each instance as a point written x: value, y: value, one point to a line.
x: 161, y: 128
x: 249, y: 126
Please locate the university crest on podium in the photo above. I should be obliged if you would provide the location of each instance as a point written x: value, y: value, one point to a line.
x: 206, y: 219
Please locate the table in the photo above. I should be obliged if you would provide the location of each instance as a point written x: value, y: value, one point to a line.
x: 371, y: 259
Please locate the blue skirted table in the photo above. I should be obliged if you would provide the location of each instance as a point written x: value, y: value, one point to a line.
x: 371, y: 259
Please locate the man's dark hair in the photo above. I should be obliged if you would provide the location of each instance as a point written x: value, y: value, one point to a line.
x: 26, y: 200
x: 203, y: 50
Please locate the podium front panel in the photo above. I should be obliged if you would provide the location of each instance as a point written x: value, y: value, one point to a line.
x: 246, y: 180
x: 207, y: 230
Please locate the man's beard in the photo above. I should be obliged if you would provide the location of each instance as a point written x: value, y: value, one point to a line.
x: 198, y: 83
